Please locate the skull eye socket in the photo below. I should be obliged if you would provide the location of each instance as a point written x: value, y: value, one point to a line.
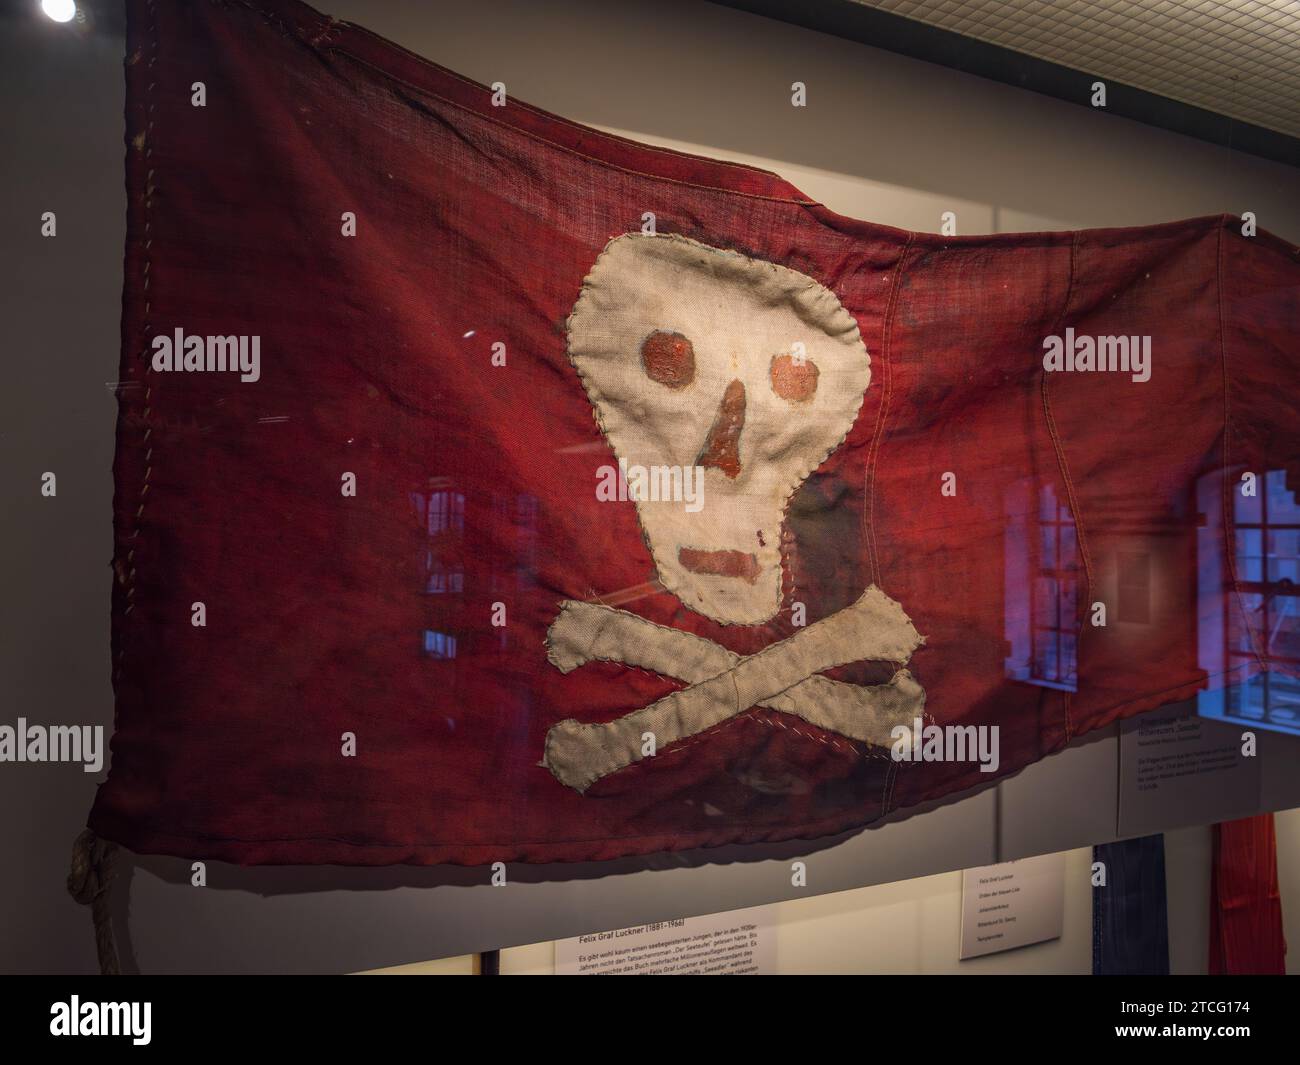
x: 794, y: 380
x: 669, y: 358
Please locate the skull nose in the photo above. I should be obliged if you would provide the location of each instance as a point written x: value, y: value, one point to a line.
x: 722, y: 445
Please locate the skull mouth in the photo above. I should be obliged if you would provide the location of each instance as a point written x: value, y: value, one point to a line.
x: 742, y: 565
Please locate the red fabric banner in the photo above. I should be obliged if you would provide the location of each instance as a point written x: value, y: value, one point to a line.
x: 430, y: 596
x: 1245, y: 906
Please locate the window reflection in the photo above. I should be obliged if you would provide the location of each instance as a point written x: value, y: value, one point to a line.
x: 1133, y: 602
x: 439, y: 644
x: 1268, y: 574
x: 516, y: 514
x: 442, y: 513
x: 1263, y: 620
x: 1042, y: 587
x: 473, y: 580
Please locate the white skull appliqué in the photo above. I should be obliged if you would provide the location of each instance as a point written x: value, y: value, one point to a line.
x: 693, y: 356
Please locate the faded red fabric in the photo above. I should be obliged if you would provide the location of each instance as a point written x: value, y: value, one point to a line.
x: 475, y: 483
x: 1245, y: 906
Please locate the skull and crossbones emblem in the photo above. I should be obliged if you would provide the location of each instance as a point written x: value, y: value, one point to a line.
x: 693, y: 356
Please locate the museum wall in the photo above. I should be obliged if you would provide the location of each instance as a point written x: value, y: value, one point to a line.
x: 913, y: 926
x: 884, y: 138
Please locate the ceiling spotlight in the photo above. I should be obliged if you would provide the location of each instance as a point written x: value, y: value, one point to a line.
x: 59, y: 10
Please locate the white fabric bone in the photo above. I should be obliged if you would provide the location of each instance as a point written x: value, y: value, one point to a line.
x: 586, y: 632
x: 723, y: 684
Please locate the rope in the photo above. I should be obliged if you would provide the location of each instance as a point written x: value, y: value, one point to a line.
x: 88, y: 880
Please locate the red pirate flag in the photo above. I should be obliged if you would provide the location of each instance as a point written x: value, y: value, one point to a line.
x: 497, y: 489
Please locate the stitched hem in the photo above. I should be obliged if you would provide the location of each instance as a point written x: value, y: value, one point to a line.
x: 134, y: 443
x: 1229, y: 541
x: 882, y: 413
x: 1070, y: 494
x: 313, y: 30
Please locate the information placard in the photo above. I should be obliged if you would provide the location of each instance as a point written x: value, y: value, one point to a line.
x: 737, y: 942
x: 1012, y: 904
x: 1176, y: 768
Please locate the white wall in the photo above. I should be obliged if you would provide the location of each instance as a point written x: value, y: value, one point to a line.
x: 914, y: 926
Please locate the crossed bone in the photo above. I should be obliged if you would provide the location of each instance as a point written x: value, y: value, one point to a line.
x: 723, y: 684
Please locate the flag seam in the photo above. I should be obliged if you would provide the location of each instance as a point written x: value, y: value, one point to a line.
x: 1229, y: 542
x: 882, y: 413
